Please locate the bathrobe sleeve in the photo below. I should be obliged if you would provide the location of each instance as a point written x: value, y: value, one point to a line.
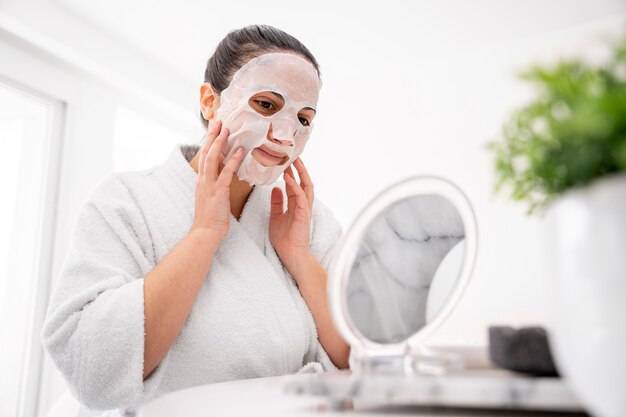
x: 94, y: 327
x: 325, y: 240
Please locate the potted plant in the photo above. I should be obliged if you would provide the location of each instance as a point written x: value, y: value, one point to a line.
x: 564, y: 155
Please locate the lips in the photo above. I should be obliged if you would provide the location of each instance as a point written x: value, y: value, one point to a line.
x: 272, y: 153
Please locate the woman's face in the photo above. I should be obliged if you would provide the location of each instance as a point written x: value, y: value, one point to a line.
x: 267, y: 103
x: 268, y: 108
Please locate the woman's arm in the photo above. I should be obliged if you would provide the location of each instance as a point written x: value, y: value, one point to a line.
x: 172, y: 286
x: 113, y: 314
x: 290, y: 233
x: 312, y: 278
x: 170, y: 291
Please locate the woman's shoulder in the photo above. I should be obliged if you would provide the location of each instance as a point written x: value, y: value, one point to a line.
x: 114, y: 189
x: 326, y: 231
x: 121, y: 186
x: 323, y: 214
x: 134, y: 189
x: 117, y: 197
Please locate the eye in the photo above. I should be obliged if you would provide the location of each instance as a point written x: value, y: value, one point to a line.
x: 304, y: 121
x: 265, y: 104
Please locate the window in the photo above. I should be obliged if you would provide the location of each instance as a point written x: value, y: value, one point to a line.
x: 30, y: 133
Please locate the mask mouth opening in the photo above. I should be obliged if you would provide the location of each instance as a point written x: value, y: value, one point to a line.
x: 277, y: 158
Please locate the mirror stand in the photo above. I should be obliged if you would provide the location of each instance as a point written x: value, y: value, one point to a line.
x: 409, y: 362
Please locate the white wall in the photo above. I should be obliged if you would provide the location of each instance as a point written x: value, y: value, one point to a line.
x: 463, y: 100
x: 409, y: 88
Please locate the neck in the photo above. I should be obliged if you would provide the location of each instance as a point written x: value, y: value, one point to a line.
x: 239, y: 190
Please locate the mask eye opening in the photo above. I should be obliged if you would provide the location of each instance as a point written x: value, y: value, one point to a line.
x: 266, y: 103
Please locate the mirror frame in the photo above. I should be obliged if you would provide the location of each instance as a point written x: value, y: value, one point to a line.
x: 343, y: 260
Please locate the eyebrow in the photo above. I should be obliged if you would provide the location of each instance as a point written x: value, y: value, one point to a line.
x: 283, y: 99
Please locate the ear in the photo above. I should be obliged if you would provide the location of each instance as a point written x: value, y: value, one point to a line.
x: 209, y: 101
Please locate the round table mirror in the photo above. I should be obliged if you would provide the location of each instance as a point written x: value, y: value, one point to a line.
x: 403, y: 265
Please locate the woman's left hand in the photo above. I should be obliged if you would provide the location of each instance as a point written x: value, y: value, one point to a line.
x: 290, y: 231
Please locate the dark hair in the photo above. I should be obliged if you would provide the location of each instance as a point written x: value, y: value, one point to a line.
x: 240, y: 46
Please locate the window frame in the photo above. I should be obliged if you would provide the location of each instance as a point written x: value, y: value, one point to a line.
x: 31, y: 372
x: 89, y: 109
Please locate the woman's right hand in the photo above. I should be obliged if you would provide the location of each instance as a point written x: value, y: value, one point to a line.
x: 212, y: 215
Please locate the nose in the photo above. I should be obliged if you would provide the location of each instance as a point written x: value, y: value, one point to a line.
x: 282, y: 132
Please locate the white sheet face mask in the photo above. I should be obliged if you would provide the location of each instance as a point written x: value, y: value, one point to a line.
x: 297, y: 82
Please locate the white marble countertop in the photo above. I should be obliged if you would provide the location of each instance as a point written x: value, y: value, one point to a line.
x: 270, y: 397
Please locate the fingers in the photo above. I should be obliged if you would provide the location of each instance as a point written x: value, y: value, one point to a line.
x: 291, y: 202
x: 296, y: 198
x: 230, y: 168
x: 212, y: 160
x: 277, y: 202
x: 210, y: 137
x: 305, y: 181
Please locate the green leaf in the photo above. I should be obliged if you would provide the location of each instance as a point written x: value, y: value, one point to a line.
x: 572, y: 132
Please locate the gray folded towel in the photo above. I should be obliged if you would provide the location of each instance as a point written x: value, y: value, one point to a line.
x: 524, y: 350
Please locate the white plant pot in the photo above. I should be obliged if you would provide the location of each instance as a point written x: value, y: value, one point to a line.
x: 587, y: 318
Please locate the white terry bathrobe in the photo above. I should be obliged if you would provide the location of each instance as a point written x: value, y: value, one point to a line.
x: 248, y: 320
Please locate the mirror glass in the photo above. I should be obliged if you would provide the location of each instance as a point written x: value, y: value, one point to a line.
x: 408, y: 263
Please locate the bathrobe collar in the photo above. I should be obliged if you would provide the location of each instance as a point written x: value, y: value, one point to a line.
x: 255, y: 212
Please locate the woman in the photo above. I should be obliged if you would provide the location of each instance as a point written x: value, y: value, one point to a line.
x: 194, y: 271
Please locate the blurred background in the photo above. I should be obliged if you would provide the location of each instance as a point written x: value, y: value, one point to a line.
x: 409, y: 88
